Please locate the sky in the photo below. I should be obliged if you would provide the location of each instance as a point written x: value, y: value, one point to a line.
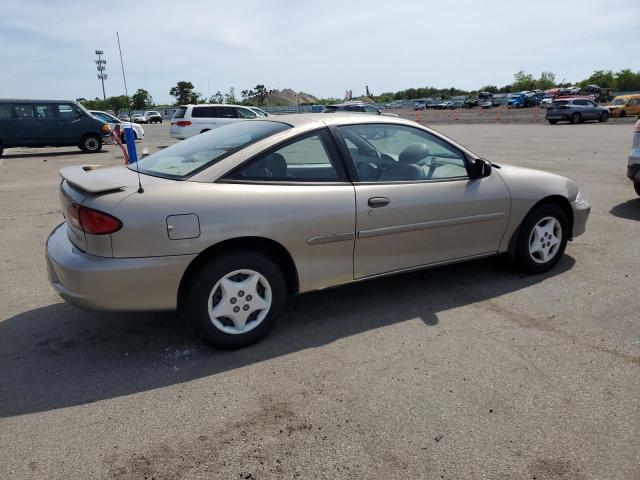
x: 320, y: 47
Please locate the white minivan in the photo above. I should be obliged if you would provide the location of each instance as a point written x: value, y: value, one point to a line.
x: 191, y: 120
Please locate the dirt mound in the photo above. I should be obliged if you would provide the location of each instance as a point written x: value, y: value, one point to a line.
x: 289, y: 97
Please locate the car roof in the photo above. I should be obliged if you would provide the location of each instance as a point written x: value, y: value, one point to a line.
x: 30, y: 100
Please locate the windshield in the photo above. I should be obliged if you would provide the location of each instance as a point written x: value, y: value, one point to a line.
x: 189, y: 156
x: 262, y: 113
x: 105, y: 117
x: 619, y: 101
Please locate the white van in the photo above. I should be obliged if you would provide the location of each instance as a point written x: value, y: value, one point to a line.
x: 191, y: 120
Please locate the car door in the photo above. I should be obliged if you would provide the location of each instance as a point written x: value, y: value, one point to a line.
x: 583, y: 107
x: 46, y: 124
x: 300, y: 193
x: 71, y: 124
x: 415, y: 202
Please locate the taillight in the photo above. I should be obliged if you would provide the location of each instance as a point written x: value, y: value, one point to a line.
x: 183, y: 123
x: 92, y: 221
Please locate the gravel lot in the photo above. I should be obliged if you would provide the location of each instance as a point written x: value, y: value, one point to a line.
x: 463, y: 372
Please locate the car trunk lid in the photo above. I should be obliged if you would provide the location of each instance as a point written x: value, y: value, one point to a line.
x: 98, y: 188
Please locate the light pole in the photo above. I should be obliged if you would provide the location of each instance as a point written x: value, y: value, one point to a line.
x: 100, y: 66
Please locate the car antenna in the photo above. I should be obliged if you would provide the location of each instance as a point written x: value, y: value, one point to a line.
x: 140, y: 189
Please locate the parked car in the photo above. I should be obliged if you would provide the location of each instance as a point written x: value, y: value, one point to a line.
x: 153, y: 116
x: 625, y: 105
x: 191, y: 120
x: 419, y: 105
x: 138, y: 131
x: 633, y: 167
x: 138, y: 118
x: 487, y: 104
x: 471, y: 103
x: 225, y: 225
x: 124, y: 117
x: 258, y: 111
x: 50, y: 123
x: 575, y: 110
x: 546, y: 101
x: 457, y: 104
x: 356, y: 107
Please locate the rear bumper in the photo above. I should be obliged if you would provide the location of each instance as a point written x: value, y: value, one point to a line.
x: 581, y: 211
x: 112, y: 284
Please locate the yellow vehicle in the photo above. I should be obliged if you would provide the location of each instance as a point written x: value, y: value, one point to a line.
x: 625, y: 106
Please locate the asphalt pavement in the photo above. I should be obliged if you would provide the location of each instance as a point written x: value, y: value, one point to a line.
x: 471, y: 371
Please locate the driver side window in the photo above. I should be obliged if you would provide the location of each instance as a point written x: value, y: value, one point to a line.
x: 392, y: 153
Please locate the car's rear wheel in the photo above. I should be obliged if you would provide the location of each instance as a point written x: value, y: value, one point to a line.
x: 553, y: 122
x: 636, y: 186
x: 234, y: 300
x: 542, y: 239
x: 91, y: 143
x: 575, y: 118
x: 604, y: 116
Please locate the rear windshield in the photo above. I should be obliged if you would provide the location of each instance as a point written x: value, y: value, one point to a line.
x: 183, y: 159
x: 179, y: 113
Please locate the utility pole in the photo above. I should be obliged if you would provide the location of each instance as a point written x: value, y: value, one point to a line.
x: 100, y: 66
x: 126, y: 93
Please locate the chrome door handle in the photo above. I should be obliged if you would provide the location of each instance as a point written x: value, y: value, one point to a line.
x: 377, y: 202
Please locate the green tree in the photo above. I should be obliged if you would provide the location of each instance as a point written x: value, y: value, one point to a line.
x: 230, y: 97
x: 546, y: 81
x: 489, y: 88
x: 141, y: 100
x: 627, y: 80
x: 216, y: 98
x: 523, y: 81
x: 601, y: 78
x: 184, y: 93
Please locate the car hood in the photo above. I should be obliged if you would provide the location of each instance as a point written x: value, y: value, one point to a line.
x: 613, y: 107
x: 534, y: 185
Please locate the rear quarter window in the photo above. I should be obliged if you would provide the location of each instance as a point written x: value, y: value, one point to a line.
x: 179, y: 113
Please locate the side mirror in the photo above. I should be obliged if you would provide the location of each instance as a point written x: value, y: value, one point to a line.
x: 481, y: 168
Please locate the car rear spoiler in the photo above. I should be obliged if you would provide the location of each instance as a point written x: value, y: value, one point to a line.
x: 80, y: 177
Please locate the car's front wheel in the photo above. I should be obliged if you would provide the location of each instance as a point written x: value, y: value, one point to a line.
x: 234, y: 300
x: 91, y: 143
x: 542, y: 239
x: 622, y: 114
x: 604, y: 116
x: 553, y: 122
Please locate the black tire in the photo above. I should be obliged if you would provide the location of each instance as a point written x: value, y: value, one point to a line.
x: 1, y: 149
x: 527, y: 261
x: 636, y: 186
x: 622, y: 114
x: 91, y: 143
x: 553, y: 122
x: 576, y: 118
x: 205, y: 130
x: 604, y: 116
x: 194, y: 304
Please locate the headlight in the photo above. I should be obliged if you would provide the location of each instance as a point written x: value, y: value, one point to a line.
x: 579, y: 198
x: 105, y: 128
